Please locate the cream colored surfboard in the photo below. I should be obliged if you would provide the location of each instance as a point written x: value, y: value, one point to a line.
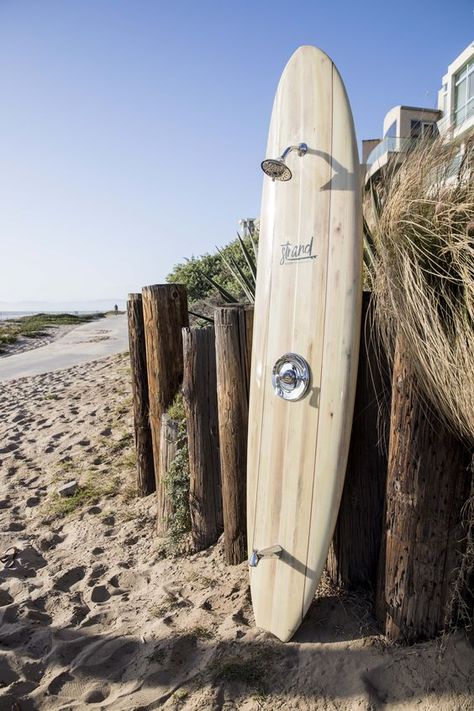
x: 308, y: 303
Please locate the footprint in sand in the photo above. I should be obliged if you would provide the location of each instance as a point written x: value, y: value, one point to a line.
x: 5, y: 597
x: 70, y: 578
x: 100, y: 594
x: 97, y: 572
x: 50, y: 541
x: 31, y: 482
x: 16, y: 526
x: 39, y: 616
x: 9, y: 448
x: 18, y: 637
x: 109, y: 657
x: 7, y: 675
x: 96, y: 694
x: 10, y: 614
x: 56, y: 685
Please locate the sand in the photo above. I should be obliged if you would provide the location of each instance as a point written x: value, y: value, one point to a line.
x: 93, y: 616
x: 67, y: 347
x: 23, y: 344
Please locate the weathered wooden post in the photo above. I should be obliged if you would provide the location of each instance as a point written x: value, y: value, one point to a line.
x: 168, y: 449
x: 354, y: 553
x: 143, y: 441
x: 200, y: 401
x: 427, y: 484
x: 233, y: 326
x: 165, y: 312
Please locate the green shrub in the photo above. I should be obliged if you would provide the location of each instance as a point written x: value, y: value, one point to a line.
x: 230, y: 270
x: 176, y: 482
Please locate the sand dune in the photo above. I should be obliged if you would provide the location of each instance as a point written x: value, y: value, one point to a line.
x: 93, y: 616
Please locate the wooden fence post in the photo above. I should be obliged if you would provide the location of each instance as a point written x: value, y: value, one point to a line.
x: 200, y: 401
x: 168, y: 450
x: 233, y: 326
x: 427, y: 484
x: 143, y: 441
x: 165, y: 312
x: 355, y: 549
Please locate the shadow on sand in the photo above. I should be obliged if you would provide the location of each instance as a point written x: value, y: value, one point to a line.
x: 43, y: 666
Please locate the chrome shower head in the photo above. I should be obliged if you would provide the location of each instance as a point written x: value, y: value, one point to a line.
x: 276, y: 168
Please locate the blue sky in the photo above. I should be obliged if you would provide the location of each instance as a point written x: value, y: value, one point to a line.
x: 131, y: 131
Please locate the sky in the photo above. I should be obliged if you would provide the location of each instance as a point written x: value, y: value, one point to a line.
x: 131, y: 131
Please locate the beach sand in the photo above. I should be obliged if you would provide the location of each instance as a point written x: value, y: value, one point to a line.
x: 93, y: 616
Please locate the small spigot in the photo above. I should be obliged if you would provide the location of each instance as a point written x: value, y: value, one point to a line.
x: 271, y: 552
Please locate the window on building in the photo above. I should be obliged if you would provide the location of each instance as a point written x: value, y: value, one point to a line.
x: 464, y: 94
x: 391, y: 131
x: 423, y: 129
x: 444, y: 99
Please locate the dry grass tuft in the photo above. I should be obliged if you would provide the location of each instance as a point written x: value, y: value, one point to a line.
x: 424, y: 277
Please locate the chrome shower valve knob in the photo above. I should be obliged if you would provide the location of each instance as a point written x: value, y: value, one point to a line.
x: 291, y: 377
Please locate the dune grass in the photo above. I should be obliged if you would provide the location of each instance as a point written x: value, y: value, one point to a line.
x: 424, y: 276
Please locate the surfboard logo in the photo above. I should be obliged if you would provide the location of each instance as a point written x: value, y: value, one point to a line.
x: 296, y: 252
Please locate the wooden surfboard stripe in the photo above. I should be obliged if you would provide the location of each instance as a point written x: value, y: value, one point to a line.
x: 322, y: 355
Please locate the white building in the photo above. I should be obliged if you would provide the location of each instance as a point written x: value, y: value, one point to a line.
x: 456, y: 97
x: 405, y: 125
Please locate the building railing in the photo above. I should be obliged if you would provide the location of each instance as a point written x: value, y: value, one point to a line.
x: 464, y: 113
x: 457, y: 120
x: 390, y: 144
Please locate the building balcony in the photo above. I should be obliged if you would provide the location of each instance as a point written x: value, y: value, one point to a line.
x: 459, y: 123
x: 391, y: 147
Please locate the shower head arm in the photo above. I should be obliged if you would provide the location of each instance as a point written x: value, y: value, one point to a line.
x: 301, y: 148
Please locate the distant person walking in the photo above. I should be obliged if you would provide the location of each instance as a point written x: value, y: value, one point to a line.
x: 116, y: 309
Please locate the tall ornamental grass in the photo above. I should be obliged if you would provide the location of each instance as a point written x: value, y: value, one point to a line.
x: 422, y: 231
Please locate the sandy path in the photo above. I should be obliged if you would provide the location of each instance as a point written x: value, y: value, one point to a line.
x: 81, y: 344
x: 93, y: 616
x: 23, y: 344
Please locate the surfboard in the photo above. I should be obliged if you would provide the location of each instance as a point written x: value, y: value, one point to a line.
x: 305, y: 339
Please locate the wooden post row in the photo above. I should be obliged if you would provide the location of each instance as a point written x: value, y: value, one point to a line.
x: 427, y: 484
x: 233, y: 325
x: 143, y: 441
x: 200, y: 401
x: 165, y: 312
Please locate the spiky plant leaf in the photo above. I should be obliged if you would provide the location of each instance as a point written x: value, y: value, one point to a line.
x: 248, y: 257
x: 201, y: 316
x: 226, y: 295
x: 238, y: 274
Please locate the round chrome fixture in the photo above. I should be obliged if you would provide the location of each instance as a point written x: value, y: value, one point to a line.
x: 291, y: 377
x: 276, y: 169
